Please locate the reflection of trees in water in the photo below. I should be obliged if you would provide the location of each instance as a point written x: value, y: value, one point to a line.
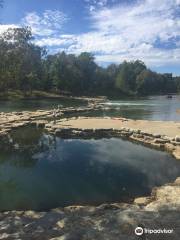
x: 27, y: 136
x: 18, y: 159
x: 23, y: 144
x: 8, y: 188
x: 8, y: 185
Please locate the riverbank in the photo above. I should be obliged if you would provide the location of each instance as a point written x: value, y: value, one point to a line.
x: 37, y: 95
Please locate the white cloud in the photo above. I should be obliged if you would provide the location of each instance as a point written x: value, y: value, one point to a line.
x: 46, y: 24
x: 131, y: 32
x: 136, y: 31
x: 4, y: 27
x: 148, y: 30
x: 93, y: 5
x: 52, y: 41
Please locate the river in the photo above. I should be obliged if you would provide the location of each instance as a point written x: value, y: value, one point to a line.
x: 150, y: 108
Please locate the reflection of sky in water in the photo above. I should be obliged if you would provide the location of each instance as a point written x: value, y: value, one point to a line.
x: 65, y: 172
x: 155, y: 165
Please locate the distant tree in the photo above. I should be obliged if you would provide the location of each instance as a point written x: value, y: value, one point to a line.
x: 88, y: 67
x: 26, y: 66
x: 126, y: 77
x: 149, y: 82
x: 168, y: 83
x: 20, y: 59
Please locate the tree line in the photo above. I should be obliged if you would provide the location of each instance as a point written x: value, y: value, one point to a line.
x: 25, y: 66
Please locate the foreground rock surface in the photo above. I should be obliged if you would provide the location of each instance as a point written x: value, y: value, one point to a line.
x: 106, y: 222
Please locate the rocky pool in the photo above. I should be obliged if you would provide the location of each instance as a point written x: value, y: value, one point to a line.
x: 41, y: 172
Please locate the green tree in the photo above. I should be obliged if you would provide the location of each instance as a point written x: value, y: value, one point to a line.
x: 88, y: 67
x: 25, y: 66
x: 21, y: 64
x: 126, y: 77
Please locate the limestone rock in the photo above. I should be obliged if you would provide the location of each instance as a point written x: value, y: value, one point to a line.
x: 141, y: 200
x: 176, y: 153
x: 160, y: 140
x: 177, y: 138
x: 169, y: 147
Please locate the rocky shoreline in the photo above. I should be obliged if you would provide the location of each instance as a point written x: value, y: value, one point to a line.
x: 116, y: 221
x: 107, y: 221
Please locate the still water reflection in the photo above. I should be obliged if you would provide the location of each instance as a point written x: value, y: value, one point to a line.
x: 31, y: 105
x: 42, y: 172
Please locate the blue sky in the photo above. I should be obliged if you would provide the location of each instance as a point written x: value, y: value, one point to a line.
x: 114, y: 30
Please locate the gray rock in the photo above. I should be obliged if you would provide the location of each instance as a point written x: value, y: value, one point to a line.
x: 177, y: 138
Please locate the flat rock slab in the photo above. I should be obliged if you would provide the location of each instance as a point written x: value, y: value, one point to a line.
x: 168, y: 128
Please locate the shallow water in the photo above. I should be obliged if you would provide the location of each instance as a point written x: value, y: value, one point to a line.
x: 31, y: 105
x: 43, y: 172
x: 150, y: 108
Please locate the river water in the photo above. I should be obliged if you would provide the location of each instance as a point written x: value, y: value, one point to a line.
x: 150, y: 108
